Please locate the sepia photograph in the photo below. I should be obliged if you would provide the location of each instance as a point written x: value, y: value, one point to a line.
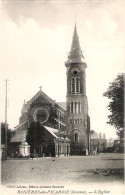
x: 62, y: 97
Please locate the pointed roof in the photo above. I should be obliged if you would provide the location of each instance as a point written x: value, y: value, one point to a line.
x: 46, y: 98
x: 75, y: 52
x: 41, y: 93
x: 26, y: 105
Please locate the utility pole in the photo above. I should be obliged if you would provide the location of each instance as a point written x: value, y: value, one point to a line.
x: 6, y: 119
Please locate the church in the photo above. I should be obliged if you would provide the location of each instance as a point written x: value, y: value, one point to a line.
x: 50, y: 128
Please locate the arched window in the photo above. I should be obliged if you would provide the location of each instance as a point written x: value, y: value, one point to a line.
x: 75, y: 121
x: 75, y: 107
x: 75, y: 85
x: 79, y: 107
x: 71, y: 107
x: 76, y: 137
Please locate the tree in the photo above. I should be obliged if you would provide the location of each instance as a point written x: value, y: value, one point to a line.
x: 35, y: 136
x: 9, y: 134
x: 115, y: 93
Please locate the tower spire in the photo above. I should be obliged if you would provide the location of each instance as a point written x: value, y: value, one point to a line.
x: 75, y: 31
x: 77, y: 123
x: 75, y: 52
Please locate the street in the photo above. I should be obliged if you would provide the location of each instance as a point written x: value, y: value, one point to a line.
x: 76, y: 170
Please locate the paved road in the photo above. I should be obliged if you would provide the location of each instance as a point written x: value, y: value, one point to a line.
x: 64, y: 170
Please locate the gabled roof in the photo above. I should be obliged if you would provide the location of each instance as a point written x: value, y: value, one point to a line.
x: 46, y: 98
x: 26, y: 106
x: 41, y: 93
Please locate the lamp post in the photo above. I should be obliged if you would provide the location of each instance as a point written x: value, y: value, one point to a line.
x: 6, y: 119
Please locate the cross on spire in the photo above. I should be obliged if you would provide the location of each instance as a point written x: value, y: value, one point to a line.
x: 40, y: 88
x: 75, y: 17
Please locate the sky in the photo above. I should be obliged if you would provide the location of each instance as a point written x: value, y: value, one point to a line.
x: 36, y: 38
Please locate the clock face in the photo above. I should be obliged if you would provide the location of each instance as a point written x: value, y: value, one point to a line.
x: 41, y: 115
x: 75, y: 71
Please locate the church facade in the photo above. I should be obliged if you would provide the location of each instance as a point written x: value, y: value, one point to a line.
x: 64, y: 126
x: 42, y: 125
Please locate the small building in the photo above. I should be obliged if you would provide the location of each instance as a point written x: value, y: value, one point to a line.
x: 109, y: 147
x: 118, y: 145
x: 98, y: 143
x: 102, y: 143
x: 94, y: 142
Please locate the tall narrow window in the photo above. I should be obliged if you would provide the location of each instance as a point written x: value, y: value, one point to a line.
x: 77, y: 85
x: 73, y: 85
x: 75, y: 121
x: 71, y: 107
x: 79, y: 107
x: 75, y: 107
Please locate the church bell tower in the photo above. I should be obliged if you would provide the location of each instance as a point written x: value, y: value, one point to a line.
x: 77, y: 122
